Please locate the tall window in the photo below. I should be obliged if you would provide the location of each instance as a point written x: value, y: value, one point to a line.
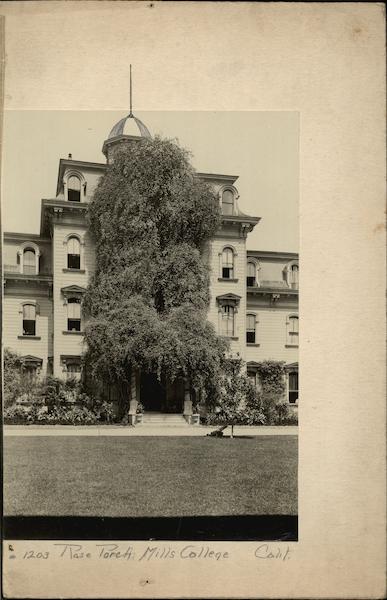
x: 251, y: 274
x: 73, y: 253
x: 227, y: 263
x: 227, y: 202
x: 294, y: 276
x: 74, y: 189
x: 293, y: 330
x: 29, y: 262
x: 250, y: 329
x: 253, y: 377
x: 227, y: 323
x: 29, y: 319
x: 293, y: 387
x: 73, y: 314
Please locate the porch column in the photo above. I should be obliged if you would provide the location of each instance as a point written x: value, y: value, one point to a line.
x: 134, y: 394
x: 187, y: 399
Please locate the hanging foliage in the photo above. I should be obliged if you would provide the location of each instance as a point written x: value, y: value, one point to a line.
x: 151, y: 217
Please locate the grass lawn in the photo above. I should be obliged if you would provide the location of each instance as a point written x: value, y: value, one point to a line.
x: 150, y: 476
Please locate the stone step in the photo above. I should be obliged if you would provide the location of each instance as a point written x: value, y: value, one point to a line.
x: 164, y: 419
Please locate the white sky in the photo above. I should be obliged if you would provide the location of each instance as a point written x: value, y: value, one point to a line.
x: 260, y: 147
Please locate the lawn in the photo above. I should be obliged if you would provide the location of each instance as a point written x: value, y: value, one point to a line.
x: 150, y: 476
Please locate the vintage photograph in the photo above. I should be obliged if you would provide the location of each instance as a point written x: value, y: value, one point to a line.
x: 151, y: 324
x: 193, y: 265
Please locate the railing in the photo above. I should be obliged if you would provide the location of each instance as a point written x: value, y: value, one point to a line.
x: 11, y: 269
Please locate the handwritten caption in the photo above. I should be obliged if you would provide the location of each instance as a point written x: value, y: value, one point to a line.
x: 125, y: 552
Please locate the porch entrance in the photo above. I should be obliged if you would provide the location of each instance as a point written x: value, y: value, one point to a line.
x: 156, y: 396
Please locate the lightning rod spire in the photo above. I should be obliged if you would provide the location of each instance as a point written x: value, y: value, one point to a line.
x: 130, y: 91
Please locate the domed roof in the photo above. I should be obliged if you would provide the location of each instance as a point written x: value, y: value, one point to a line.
x: 140, y: 131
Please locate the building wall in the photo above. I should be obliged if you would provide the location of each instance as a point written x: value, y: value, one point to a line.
x: 68, y: 343
x: 271, y: 332
x: 271, y: 335
x: 41, y: 347
x: 218, y: 288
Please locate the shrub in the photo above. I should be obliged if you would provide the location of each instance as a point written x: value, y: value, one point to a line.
x: 16, y: 382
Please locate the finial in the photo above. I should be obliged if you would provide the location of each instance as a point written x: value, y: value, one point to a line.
x: 130, y: 90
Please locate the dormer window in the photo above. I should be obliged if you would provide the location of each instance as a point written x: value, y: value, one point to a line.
x: 293, y: 276
x: 29, y: 262
x: 73, y: 253
x: 227, y: 202
x: 74, y: 189
x: 28, y: 258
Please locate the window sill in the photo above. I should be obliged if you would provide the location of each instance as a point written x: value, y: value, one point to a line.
x: 73, y: 270
x: 228, y: 279
x: 251, y: 344
x: 29, y: 337
x: 73, y: 332
x: 291, y: 345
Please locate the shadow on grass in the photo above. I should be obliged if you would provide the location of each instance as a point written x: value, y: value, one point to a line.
x: 217, y: 528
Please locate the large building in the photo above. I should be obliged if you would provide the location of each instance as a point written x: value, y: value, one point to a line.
x: 254, y: 294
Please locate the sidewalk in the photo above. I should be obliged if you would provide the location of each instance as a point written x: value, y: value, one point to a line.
x: 142, y: 430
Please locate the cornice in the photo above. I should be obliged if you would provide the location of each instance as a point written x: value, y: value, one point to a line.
x: 28, y: 237
x: 216, y: 176
x: 270, y: 254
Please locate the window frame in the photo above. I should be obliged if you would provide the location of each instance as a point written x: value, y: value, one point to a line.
x: 25, y: 321
x: 69, y: 174
x: 227, y: 250
x: 27, y: 245
x: 225, y: 204
x: 288, y: 271
x: 73, y: 256
x: 230, y: 309
x: 250, y: 331
x: 292, y: 334
x: 256, y: 265
x: 71, y: 300
x: 73, y: 191
x: 291, y: 390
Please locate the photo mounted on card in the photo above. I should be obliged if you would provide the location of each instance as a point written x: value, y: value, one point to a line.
x: 159, y: 164
x: 151, y: 346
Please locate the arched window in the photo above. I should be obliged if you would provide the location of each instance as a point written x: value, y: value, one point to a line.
x: 73, y: 253
x: 29, y: 261
x: 227, y: 263
x: 227, y: 320
x: 29, y: 319
x: 292, y: 326
x: 293, y: 276
x: 250, y: 329
x: 227, y: 202
x: 293, y: 387
x: 251, y: 278
x: 74, y: 314
x: 74, y: 189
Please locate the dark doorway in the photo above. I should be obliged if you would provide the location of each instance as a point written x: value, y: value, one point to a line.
x: 152, y: 395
